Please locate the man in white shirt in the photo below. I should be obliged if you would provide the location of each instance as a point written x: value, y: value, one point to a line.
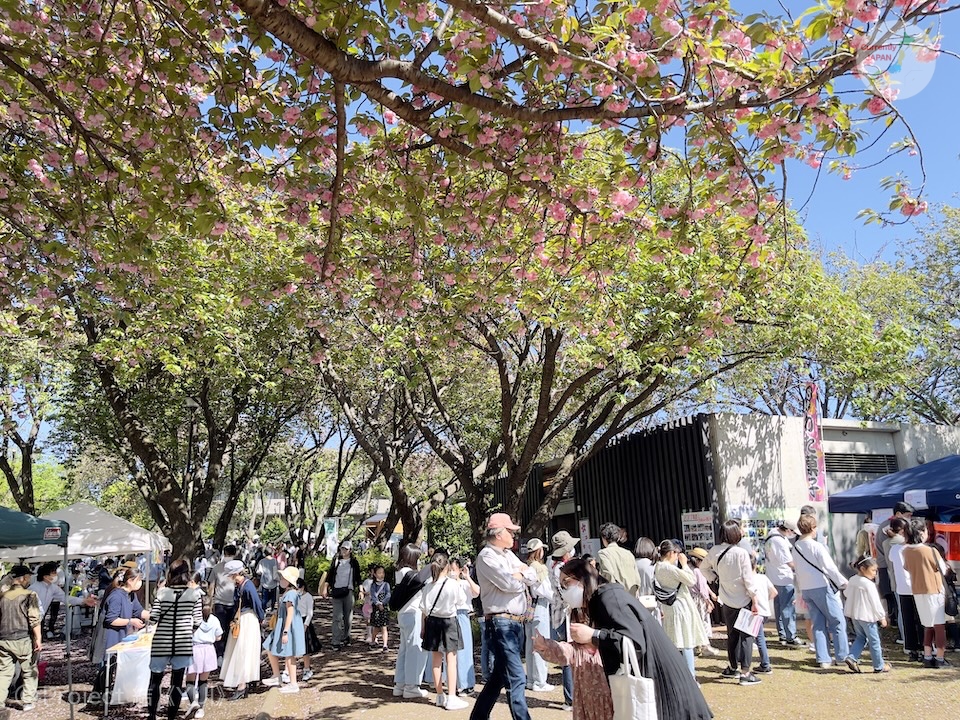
x: 779, y: 568
x: 51, y: 596
x: 221, y: 590
x: 503, y: 580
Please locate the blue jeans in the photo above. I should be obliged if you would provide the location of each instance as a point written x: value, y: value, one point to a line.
x: 559, y: 634
x: 762, y: 648
x: 785, y: 612
x: 411, y: 659
x: 826, y: 614
x: 536, y: 665
x: 466, y: 674
x: 486, y: 654
x: 867, y: 635
x: 268, y: 597
x: 505, y: 637
x: 342, y: 619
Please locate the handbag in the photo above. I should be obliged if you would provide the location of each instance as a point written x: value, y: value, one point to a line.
x: 271, y: 622
x: 529, y: 612
x: 664, y: 596
x: 950, y: 604
x: 235, y: 623
x: 634, y: 696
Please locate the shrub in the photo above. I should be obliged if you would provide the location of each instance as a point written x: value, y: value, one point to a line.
x: 448, y: 528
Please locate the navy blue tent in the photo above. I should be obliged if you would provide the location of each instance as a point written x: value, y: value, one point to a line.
x: 940, y: 480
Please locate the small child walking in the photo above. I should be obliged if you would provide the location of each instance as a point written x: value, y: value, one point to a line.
x: 866, y: 612
x: 380, y: 608
x: 204, y: 660
x: 366, y: 607
x: 764, y: 592
x: 703, y: 598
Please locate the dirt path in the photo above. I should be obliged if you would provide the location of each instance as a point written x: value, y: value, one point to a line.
x: 357, y: 683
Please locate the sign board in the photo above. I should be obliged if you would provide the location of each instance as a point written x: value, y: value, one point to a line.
x: 917, y: 498
x: 584, y: 528
x: 52, y: 533
x: 697, y: 529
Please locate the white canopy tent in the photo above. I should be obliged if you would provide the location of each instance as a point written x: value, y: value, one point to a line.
x: 93, y: 533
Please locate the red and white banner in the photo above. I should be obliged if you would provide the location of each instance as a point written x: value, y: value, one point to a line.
x: 813, y: 447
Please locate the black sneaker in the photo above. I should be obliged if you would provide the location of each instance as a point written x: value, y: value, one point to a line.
x: 930, y: 663
x: 749, y: 679
x: 729, y: 672
x: 943, y: 662
x: 763, y: 669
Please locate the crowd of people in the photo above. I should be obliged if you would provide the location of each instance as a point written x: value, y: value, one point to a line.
x: 224, y: 612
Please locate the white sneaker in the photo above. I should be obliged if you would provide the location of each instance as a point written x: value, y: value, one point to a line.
x: 543, y: 687
x: 455, y: 703
x: 709, y: 650
x: 28, y: 707
x: 271, y: 682
x: 290, y: 688
x: 397, y: 689
x: 415, y: 694
x: 199, y: 713
x: 441, y: 700
x: 307, y: 674
x: 284, y: 677
x: 566, y: 708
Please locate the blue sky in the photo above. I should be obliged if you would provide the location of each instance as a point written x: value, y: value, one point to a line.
x: 830, y: 216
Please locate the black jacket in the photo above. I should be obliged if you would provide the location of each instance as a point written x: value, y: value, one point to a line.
x: 616, y: 613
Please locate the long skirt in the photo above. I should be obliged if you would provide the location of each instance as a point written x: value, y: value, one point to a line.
x: 241, y: 660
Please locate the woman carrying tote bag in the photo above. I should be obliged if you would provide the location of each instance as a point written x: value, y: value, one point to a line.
x: 605, y: 613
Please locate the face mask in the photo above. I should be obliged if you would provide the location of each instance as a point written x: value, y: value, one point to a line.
x: 572, y: 596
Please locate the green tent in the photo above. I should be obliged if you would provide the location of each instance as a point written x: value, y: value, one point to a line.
x: 17, y: 528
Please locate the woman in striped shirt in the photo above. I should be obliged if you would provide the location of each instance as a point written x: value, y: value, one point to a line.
x: 177, y: 611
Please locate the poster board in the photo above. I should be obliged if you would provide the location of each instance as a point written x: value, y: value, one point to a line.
x: 698, y: 530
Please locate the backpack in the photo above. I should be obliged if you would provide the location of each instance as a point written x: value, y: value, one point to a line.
x: 410, y: 585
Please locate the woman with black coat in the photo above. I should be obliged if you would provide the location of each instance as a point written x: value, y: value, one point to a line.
x: 605, y: 613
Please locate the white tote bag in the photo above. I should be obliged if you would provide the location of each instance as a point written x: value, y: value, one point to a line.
x: 634, y: 696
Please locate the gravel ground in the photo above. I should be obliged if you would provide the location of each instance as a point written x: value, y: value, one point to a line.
x: 357, y: 682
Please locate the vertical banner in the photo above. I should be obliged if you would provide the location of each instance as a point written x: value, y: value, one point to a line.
x: 331, y: 533
x: 813, y: 447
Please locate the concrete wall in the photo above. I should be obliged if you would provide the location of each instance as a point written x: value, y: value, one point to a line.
x: 760, y: 466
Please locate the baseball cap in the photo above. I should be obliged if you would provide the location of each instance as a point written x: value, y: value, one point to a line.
x: 789, y: 525
x: 233, y: 567
x: 501, y: 520
x: 534, y: 544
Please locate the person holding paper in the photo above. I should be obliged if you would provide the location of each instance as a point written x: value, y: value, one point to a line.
x: 729, y: 563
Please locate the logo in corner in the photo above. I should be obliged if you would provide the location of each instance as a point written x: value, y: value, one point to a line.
x: 898, y: 58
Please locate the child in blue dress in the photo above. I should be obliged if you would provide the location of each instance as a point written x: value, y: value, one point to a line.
x: 287, y: 639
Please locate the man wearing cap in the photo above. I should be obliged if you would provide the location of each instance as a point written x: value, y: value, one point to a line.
x: 221, y: 589
x: 563, y: 545
x: 780, y: 566
x: 20, y: 634
x: 615, y: 563
x: 503, y: 580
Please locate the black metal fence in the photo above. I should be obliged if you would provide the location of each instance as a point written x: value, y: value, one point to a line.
x: 643, y: 482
